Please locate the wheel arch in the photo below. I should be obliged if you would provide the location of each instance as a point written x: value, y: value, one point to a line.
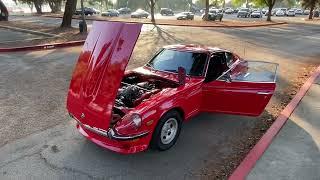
x: 179, y: 110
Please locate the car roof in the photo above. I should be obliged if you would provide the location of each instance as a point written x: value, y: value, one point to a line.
x: 194, y: 48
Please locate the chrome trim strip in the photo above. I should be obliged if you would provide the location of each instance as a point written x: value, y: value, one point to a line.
x: 110, y: 133
x: 264, y: 93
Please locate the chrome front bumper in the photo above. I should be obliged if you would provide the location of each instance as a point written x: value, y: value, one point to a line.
x: 110, y: 133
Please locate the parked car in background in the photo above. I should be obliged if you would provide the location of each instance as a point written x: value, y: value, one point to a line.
x: 214, y: 14
x: 87, y: 11
x: 294, y: 9
x: 256, y: 14
x: 291, y: 12
x: 110, y: 13
x: 299, y: 12
x: 166, y: 11
x: 280, y: 13
x: 140, y: 13
x: 185, y: 16
x: 284, y: 10
x: 244, y: 12
x: 130, y: 111
x: 236, y: 10
x: 264, y: 10
x: 96, y: 11
x: 316, y: 13
x: 124, y: 10
x: 306, y: 12
x: 229, y: 11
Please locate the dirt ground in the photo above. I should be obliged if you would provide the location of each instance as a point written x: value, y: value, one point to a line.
x: 65, y: 34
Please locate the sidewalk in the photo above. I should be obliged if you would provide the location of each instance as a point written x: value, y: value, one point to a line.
x: 295, y: 151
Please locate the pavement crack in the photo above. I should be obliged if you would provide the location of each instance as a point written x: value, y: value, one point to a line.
x: 55, y: 167
x: 19, y: 158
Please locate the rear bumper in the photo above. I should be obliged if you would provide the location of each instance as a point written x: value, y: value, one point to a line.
x: 111, y: 140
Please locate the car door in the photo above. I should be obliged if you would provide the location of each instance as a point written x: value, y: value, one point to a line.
x: 244, y: 89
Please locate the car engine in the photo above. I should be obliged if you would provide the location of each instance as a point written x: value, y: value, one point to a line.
x: 136, y: 88
x: 129, y: 95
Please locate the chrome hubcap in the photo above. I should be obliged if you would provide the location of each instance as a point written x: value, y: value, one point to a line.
x: 169, y: 130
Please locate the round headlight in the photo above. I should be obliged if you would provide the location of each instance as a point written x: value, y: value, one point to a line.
x: 136, y: 120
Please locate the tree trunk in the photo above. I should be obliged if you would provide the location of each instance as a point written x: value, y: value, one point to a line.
x: 152, y: 4
x: 107, y: 4
x: 83, y: 18
x: 55, y: 6
x: 4, y: 12
x: 68, y: 12
x: 311, y: 11
x: 30, y: 4
x: 206, y: 11
x: 269, y: 13
x: 38, y: 6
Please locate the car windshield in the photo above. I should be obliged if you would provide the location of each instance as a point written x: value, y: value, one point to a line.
x: 170, y: 60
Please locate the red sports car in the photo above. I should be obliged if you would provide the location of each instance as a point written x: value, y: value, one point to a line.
x: 129, y: 111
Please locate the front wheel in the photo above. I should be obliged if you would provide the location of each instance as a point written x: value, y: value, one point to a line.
x: 167, y: 131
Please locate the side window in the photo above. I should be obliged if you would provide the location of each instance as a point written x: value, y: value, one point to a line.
x: 217, y: 66
x: 252, y: 71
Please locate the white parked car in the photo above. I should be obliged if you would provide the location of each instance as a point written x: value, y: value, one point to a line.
x: 280, y: 13
x: 306, y: 12
x: 256, y: 14
x: 284, y: 10
x: 299, y: 12
x: 291, y: 12
x: 229, y: 11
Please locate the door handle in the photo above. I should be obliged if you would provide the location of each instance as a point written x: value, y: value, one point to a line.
x: 264, y: 93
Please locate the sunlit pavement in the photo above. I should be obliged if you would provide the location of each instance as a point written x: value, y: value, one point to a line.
x: 295, y: 152
x: 39, y: 140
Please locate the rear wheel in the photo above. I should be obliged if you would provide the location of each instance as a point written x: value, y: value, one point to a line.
x: 167, y: 131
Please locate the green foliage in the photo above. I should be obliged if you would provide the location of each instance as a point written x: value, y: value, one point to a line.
x: 238, y: 3
x: 259, y: 3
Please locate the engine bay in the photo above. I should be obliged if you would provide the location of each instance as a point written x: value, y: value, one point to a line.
x: 136, y: 88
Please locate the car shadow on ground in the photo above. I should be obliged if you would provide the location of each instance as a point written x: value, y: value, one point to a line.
x: 207, y: 139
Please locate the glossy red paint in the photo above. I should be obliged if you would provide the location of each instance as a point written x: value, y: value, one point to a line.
x: 99, y: 72
x: 98, y: 75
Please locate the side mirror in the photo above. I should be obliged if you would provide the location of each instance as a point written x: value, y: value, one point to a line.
x: 182, y: 76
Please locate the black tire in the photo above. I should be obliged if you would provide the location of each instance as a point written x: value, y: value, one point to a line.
x: 156, y: 142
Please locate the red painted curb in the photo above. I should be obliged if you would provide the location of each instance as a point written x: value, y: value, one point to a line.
x: 43, y: 46
x: 169, y: 24
x: 257, y: 151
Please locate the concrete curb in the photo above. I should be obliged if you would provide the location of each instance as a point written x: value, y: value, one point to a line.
x: 43, y: 46
x: 29, y: 31
x: 186, y: 25
x: 257, y: 151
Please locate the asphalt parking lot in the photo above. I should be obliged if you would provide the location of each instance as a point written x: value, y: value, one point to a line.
x: 9, y: 36
x: 38, y: 140
x: 47, y: 21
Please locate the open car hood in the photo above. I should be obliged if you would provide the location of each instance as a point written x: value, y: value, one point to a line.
x: 99, y: 71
